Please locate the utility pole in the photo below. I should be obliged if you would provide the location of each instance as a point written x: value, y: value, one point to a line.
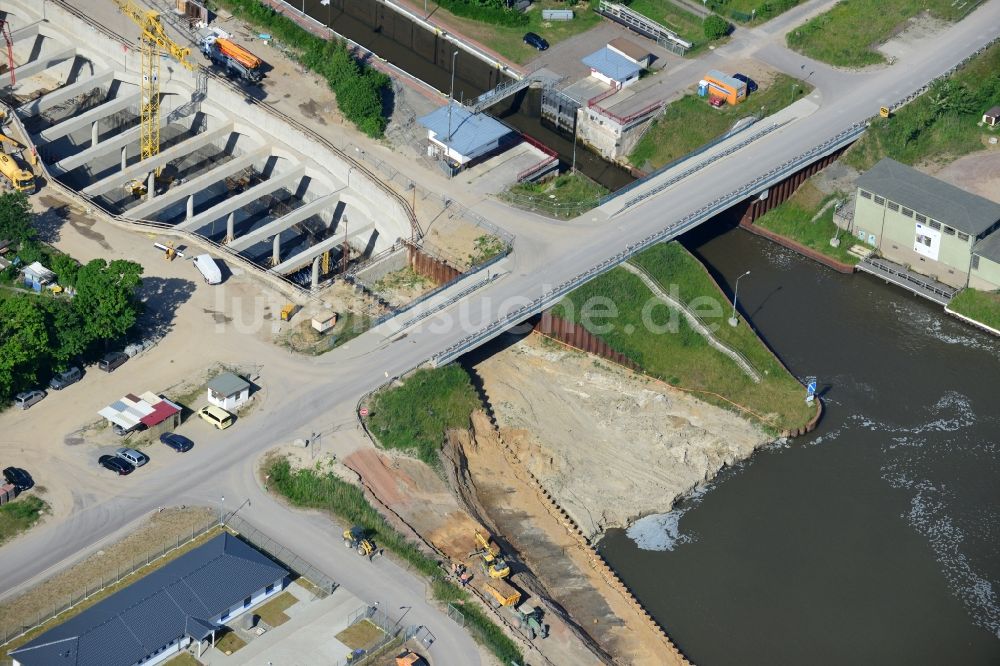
x: 346, y: 251
x: 733, y: 321
x: 451, y: 95
x: 573, y: 168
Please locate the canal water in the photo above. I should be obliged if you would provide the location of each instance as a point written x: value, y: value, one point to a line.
x: 429, y: 57
x: 873, y: 540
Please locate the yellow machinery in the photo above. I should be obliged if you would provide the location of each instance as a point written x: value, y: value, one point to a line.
x: 355, y: 538
x: 153, y: 40
x: 502, y: 593
x: 410, y: 658
x: 135, y: 187
x: 287, y: 311
x: 22, y: 179
x: 489, y: 552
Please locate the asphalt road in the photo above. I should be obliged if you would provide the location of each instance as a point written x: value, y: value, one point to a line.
x: 327, y: 389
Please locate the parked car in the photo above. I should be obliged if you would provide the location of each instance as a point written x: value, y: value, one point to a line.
x: 535, y: 40
x: 716, y: 101
x: 178, y: 443
x: 18, y: 477
x: 751, y: 84
x: 116, y: 465
x: 112, y: 361
x: 28, y: 398
x: 133, y: 457
x: 217, y: 416
x: 65, y: 378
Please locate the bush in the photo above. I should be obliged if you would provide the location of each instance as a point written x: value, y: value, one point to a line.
x: 715, y: 26
x: 486, y: 11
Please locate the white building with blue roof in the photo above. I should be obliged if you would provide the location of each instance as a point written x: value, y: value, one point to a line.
x: 613, y: 68
x: 460, y: 136
x: 187, y: 600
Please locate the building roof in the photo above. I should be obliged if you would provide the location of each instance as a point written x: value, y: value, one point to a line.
x: 180, y: 598
x: 470, y: 132
x: 929, y: 196
x: 989, y: 247
x: 612, y: 65
x: 629, y: 48
x: 149, y: 409
x: 735, y: 84
x: 39, y: 272
x: 227, y: 383
x: 162, y: 411
x: 994, y: 112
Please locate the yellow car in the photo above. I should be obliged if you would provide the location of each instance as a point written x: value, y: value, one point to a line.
x: 217, y: 416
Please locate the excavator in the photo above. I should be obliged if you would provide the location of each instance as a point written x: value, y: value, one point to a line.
x: 489, y: 552
x: 23, y: 180
x: 354, y: 537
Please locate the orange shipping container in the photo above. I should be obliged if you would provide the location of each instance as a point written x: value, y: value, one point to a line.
x: 238, y: 53
x: 732, y: 90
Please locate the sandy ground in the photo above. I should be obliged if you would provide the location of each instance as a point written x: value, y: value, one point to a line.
x: 162, y: 530
x: 912, y: 35
x: 611, y: 446
x: 978, y: 173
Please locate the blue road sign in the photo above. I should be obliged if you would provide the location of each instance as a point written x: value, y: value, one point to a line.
x: 811, y: 388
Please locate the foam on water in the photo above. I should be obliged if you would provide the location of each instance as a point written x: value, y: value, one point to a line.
x: 662, y: 531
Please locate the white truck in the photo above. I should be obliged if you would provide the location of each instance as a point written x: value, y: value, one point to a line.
x: 208, y: 268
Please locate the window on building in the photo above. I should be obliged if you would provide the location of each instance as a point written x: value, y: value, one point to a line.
x: 865, y: 195
x: 907, y: 212
x: 921, y: 218
x: 894, y: 207
x: 269, y: 589
x: 964, y: 237
x: 246, y: 602
x: 225, y: 616
x: 935, y: 225
x: 975, y: 261
x: 948, y: 231
x: 879, y: 200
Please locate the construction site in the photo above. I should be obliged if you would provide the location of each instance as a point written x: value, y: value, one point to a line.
x: 148, y: 137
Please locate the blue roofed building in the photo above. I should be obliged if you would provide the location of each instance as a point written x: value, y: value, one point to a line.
x: 460, y: 136
x: 613, y: 68
x: 187, y: 600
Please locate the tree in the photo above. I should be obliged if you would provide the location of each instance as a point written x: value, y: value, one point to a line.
x: 105, y: 298
x: 66, y: 331
x: 715, y: 27
x: 15, y: 218
x: 23, y: 344
x: 65, y: 267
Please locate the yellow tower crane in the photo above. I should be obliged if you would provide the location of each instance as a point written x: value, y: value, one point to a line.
x: 153, y: 40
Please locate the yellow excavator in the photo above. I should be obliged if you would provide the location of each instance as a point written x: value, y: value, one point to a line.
x: 489, y: 553
x: 20, y: 178
x: 354, y: 537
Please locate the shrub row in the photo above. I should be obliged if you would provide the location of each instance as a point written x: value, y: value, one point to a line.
x: 485, y: 11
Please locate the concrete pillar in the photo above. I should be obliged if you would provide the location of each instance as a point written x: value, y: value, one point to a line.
x: 276, y: 250
x: 94, y: 132
x: 190, y: 207
x: 150, y: 186
x: 315, y: 272
x: 231, y: 226
x: 124, y: 157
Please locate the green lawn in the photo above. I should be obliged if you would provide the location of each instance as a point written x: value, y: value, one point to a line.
x: 567, y: 195
x: 673, y: 17
x: 676, y: 353
x: 940, y: 125
x: 794, y: 219
x: 415, y: 416
x: 766, y: 9
x: 509, y: 41
x: 691, y: 121
x: 20, y: 515
x: 983, y: 306
x: 848, y: 34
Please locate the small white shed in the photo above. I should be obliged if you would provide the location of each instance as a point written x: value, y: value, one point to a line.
x: 228, y: 391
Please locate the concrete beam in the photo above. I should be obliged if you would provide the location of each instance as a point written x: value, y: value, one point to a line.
x: 303, y: 258
x: 60, y: 95
x: 272, y: 184
x: 74, y: 123
x: 36, y: 66
x: 139, y: 169
x: 27, y: 32
x: 126, y: 138
x: 219, y: 173
x: 275, y: 227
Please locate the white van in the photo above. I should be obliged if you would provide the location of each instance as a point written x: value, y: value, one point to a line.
x: 208, y: 268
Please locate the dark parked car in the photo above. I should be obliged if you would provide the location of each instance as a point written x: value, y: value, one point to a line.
x: 535, y: 40
x: 18, y: 477
x: 751, y: 84
x: 65, y: 378
x: 28, y: 398
x: 116, y: 465
x: 178, y: 443
x: 113, y: 360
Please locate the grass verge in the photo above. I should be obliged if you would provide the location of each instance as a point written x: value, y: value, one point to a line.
x: 415, y: 416
x: 273, y: 612
x: 941, y: 124
x: 20, y: 515
x: 508, y: 41
x: 230, y: 643
x: 758, y: 11
x: 691, y: 121
x: 794, y: 219
x: 184, y: 659
x: 309, y: 488
x: 567, y: 195
x: 983, y: 306
x: 848, y: 34
x: 666, y: 347
x: 673, y: 17
x: 361, y: 635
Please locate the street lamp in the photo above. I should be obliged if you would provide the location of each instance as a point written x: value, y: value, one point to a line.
x: 451, y: 95
x: 733, y: 321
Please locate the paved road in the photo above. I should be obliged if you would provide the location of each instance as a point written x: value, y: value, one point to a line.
x: 546, y: 254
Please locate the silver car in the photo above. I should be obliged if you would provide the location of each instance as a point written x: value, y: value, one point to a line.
x: 28, y: 398
x: 132, y: 456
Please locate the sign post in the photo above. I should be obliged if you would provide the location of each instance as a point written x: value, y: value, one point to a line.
x: 810, y: 390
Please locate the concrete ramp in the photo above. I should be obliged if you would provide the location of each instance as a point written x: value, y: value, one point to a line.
x: 269, y: 186
x: 284, y: 222
x: 304, y: 258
